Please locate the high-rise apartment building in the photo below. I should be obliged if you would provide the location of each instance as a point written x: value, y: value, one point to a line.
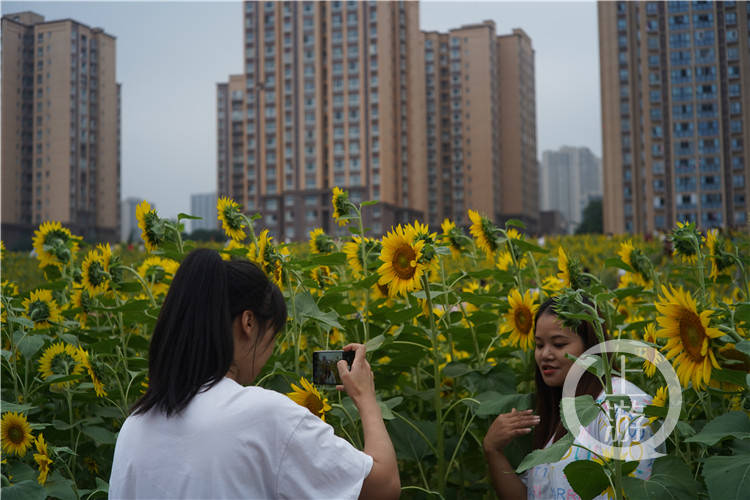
x: 481, y: 125
x: 463, y: 158
x: 60, y: 127
x: 204, y: 205
x: 569, y: 179
x: 517, y: 121
x: 232, y: 174
x: 333, y: 96
x: 675, y: 114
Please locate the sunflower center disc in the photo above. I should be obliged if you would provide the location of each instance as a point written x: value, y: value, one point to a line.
x: 313, y: 404
x: 15, y: 434
x: 402, y: 262
x: 523, y: 320
x: 692, y: 334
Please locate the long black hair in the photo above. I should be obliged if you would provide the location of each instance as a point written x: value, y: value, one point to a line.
x: 548, y: 398
x: 192, y: 344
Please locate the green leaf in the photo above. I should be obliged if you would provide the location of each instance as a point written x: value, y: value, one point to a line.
x: 492, y: 404
x: 514, y: 222
x: 100, y: 435
x: 59, y: 487
x: 374, y: 343
x: 525, y: 246
x: 546, y: 455
x: 585, y: 408
x: 182, y: 216
x: 727, y: 478
x: 14, y: 407
x: 29, y: 489
x: 742, y: 312
x: 368, y: 203
x: 735, y: 377
x: 30, y: 345
x: 744, y: 347
x: 618, y: 263
x: 587, y: 478
x: 670, y: 479
x: 734, y: 424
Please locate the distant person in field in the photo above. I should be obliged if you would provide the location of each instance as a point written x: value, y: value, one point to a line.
x: 547, y: 481
x: 201, y: 430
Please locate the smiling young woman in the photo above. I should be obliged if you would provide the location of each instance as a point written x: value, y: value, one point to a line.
x: 553, y: 342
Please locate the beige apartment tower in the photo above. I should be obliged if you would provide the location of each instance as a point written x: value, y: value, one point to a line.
x: 60, y: 128
x: 675, y: 114
x: 333, y: 96
x: 481, y: 125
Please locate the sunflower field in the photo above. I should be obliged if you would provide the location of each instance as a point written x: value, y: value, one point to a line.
x: 448, y: 320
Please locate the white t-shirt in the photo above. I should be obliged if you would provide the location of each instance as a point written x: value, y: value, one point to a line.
x: 235, y: 442
x: 548, y: 482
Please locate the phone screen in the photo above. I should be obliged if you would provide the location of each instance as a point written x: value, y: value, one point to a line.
x: 325, y: 371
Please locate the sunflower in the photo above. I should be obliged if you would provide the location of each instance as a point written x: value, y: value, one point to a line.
x: 84, y: 359
x: 54, y: 245
x: 95, y: 270
x: 91, y: 465
x: 689, y: 336
x: 634, y: 258
x: 552, y: 284
x: 60, y: 359
x: 520, y: 318
x: 320, y: 242
x: 42, y: 459
x: 660, y: 400
x: 717, y: 253
x: 309, y: 397
x: 342, y: 209
x: 453, y: 236
x: 353, y: 251
x: 16, y: 434
x: 233, y: 247
x: 81, y: 300
x: 684, y: 238
x: 41, y: 308
x: 401, y: 269
x: 323, y: 277
x: 649, y: 335
x: 148, y: 221
x: 9, y: 289
x: 484, y: 232
x: 232, y: 220
x: 157, y: 272
x: 563, y: 264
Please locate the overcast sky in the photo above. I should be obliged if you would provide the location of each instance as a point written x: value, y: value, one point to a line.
x: 170, y: 55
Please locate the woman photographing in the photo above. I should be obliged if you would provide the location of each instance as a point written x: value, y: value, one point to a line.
x: 201, y: 430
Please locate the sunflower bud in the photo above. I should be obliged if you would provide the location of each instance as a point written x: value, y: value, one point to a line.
x: 686, y: 239
x: 343, y: 209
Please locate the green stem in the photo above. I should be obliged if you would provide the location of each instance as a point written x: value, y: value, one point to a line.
x: 251, y: 229
x: 298, y: 330
x: 473, y: 332
x: 701, y: 268
x: 69, y: 398
x: 437, y: 400
x: 736, y: 258
x: 143, y: 284
x: 363, y: 252
x: 458, y: 444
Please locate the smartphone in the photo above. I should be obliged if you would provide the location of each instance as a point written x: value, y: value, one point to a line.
x: 325, y: 371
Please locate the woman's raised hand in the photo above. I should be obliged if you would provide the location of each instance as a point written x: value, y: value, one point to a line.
x: 506, y: 427
x: 359, y: 382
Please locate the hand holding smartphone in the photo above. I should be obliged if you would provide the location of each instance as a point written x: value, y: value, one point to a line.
x: 325, y: 371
